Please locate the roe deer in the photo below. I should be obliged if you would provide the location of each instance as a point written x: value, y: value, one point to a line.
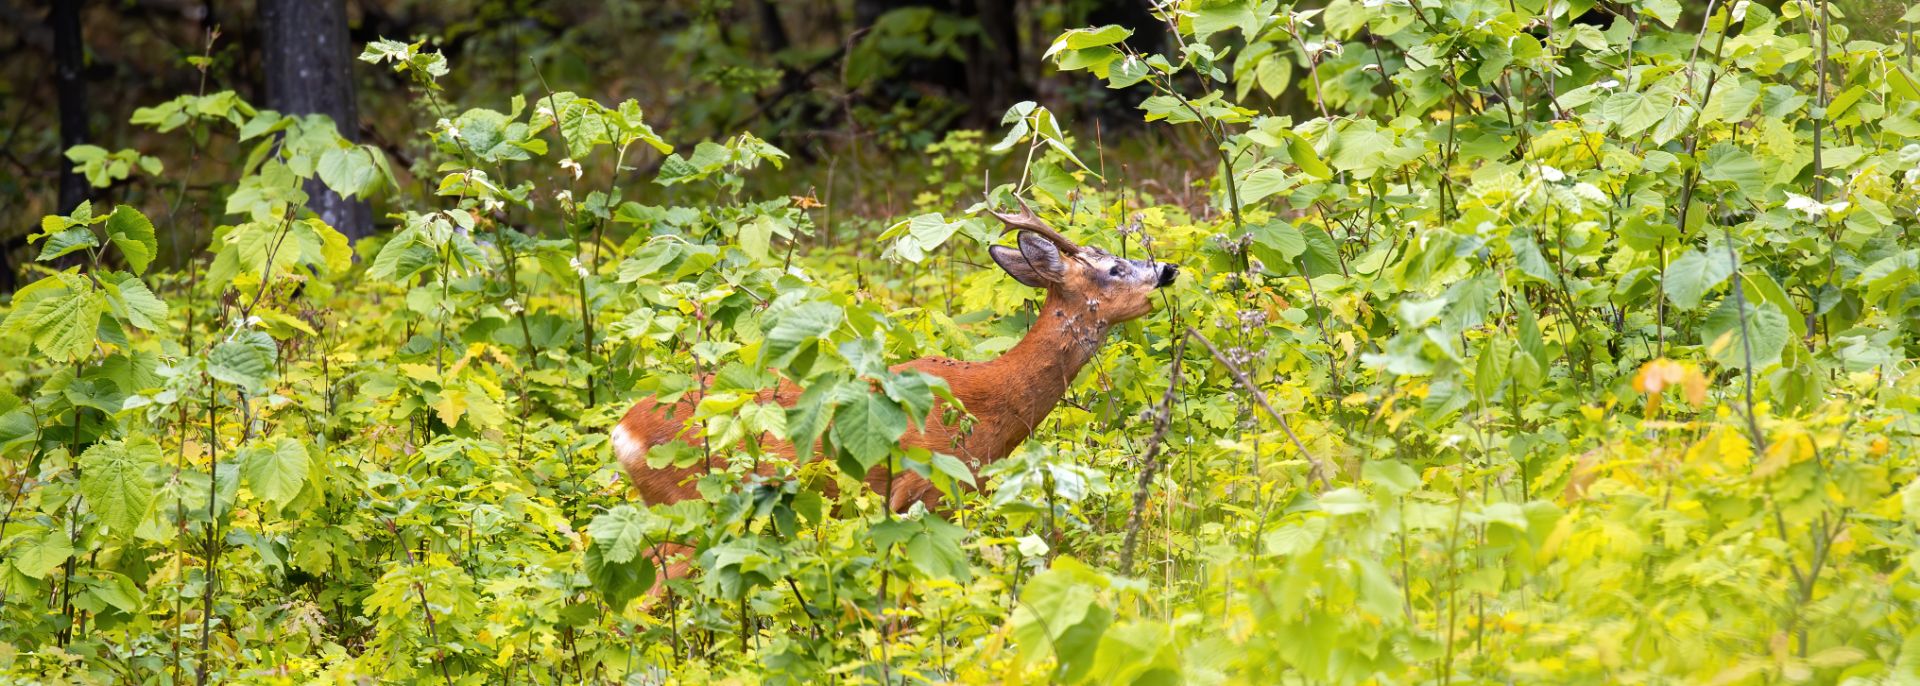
x: 1088, y: 291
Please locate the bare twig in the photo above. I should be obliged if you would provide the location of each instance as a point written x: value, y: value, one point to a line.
x: 1316, y: 469
x: 1150, y: 464
x: 440, y: 654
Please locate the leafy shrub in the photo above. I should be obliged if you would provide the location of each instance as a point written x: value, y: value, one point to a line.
x: 1563, y: 346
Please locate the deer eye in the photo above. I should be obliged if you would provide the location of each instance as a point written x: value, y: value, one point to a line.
x: 1115, y: 271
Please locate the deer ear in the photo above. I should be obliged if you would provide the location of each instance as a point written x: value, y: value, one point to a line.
x: 1037, y: 263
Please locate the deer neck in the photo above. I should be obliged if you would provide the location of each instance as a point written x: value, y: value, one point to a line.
x: 1039, y: 369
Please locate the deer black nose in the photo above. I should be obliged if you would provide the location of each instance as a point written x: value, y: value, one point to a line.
x: 1167, y: 274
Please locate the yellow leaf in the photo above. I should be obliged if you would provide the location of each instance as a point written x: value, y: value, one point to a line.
x: 451, y: 404
x: 420, y: 372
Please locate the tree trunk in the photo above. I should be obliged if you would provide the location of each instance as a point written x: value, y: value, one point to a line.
x: 69, y: 75
x: 309, y: 70
x: 994, y: 80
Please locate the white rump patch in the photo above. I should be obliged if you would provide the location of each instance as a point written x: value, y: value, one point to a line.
x: 626, y: 447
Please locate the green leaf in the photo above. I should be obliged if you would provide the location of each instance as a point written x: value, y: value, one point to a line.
x: 1216, y: 17
x: 1344, y: 501
x: 1303, y: 156
x: 1295, y: 538
x: 133, y: 234
x: 1734, y: 166
x: 623, y: 530
x: 618, y: 582
x: 936, y: 551
x: 1632, y: 112
x: 276, y: 470
x: 1060, y: 616
x: 1666, y: 11
x: 809, y: 417
x: 1080, y: 39
x: 1526, y: 255
x: 1766, y: 331
x: 42, y: 554
x: 1760, y: 287
x: 245, y: 360
x: 114, y: 479
x: 799, y: 325
x: 400, y: 258
x: 866, y: 429
x: 1394, y: 476
x: 1360, y: 146
x: 1281, y: 237
x: 1694, y: 274
x: 322, y: 246
x: 133, y: 300
x: 756, y: 237
x: 1260, y: 183
x: 67, y: 241
x: 60, y: 314
x: 349, y: 171
x: 17, y: 429
x: 948, y: 472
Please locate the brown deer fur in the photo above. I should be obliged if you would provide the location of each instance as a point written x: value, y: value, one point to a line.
x: 1088, y: 291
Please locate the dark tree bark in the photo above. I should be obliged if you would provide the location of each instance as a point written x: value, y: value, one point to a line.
x: 309, y: 70
x: 994, y: 79
x: 1118, y: 108
x: 69, y: 74
x: 987, y: 79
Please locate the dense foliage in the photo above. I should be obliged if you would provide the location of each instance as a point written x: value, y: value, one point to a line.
x: 1568, y: 344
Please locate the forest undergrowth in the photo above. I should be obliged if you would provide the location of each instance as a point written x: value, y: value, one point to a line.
x: 1569, y: 343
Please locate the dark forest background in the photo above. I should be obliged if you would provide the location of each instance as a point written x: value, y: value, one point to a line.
x: 854, y: 90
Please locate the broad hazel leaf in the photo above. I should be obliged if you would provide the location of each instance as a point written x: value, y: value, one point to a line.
x: 1633, y: 112
x: 809, y: 417
x: 866, y: 430
x: 1060, y: 615
x: 401, y: 257
x: 1731, y: 165
x: 60, y: 314
x: 936, y: 550
x: 1303, y: 156
x: 323, y: 247
x: 1766, y: 331
x: 1693, y: 275
x: 1527, y: 255
x: 618, y: 582
x: 133, y: 235
x: 1392, y: 475
x: 756, y: 237
x: 796, y: 327
x: 1297, y: 537
x: 932, y: 230
x: 348, y: 171
x: 114, y: 479
x: 136, y: 303
x: 276, y: 470
x: 1361, y: 146
x: 1283, y: 238
x: 67, y: 241
x: 245, y: 360
x: 1080, y: 39
x: 262, y: 249
x: 623, y: 530
x: 42, y: 554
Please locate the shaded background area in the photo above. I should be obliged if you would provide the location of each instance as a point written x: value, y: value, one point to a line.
x: 853, y: 89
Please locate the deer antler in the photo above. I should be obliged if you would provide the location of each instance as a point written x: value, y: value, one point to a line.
x: 1027, y: 221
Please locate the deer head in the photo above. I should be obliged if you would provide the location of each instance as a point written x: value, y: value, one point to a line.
x: 1110, y: 289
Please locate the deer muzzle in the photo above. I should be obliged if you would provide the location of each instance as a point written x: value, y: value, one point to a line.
x: 1167, y: 274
